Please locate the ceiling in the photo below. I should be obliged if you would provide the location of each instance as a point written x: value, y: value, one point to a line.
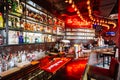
x: 63, y: 10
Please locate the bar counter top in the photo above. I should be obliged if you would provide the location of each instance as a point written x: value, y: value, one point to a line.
x: 55, y: 64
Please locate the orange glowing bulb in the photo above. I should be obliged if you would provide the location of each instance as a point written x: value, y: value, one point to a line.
x: 73, y: 5
x: 78, y: 12
x: 75, y: 9
x: 66, y: 1
x: 88, y: 2
x: 70, y: 1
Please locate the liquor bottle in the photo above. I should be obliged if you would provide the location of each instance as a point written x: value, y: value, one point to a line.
x: 26, y: 38
x: 22, y: 24
x: 19, y: 7
x: 11, y: 63
x: 23, y: 56
x: 9, y: 1
x: 10, y: 21
x: 31, y: 13
x: 1, y: 39
x: 26, y: 12
x: 9, y: 4
x: 13, y: 22
x: 5, y: 63
x: 0, y: 66
x: 20, y: 38
x: 1, y: 20
x: 17, y: 23
x: 14, y: 6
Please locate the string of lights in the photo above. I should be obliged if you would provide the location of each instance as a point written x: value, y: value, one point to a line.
x: 76, y: 9
x: 95, y: 20
x: 99, y: 21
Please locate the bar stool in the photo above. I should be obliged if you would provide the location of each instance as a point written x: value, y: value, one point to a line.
x: 109, y: 55
x: 99, y: 73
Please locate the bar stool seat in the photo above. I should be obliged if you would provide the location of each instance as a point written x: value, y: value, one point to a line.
x: 99, y: 73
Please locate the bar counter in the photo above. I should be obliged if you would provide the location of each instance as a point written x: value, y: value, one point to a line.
x: 43, y: 68
x: 55, y: 64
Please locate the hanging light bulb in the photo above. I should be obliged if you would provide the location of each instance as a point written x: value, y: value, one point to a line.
x: 70, y: 1
x: 88, y: 2
x: 66, y: 1
x: 78, y: 12
x: 75, y: 9
x: 73, y: 5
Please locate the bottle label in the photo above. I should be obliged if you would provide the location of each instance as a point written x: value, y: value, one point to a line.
x: 10, y: 23
x: 18, y: 24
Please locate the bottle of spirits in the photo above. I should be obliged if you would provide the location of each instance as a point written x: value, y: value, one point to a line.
x: 9, y: 1
x: 10, y: 4
x: 26, y: 38
x: 20, y: 38
x: 13, y: 22
x: 0, y: 66
x: 1, y: 39
x: 1, y: 20
x: 23, y: 56
x: 22, y: 24
x: 10, y: 21
x: 17, y: 23
x: 14, y: 6
x: 19, y: 7
x: 11, y: 63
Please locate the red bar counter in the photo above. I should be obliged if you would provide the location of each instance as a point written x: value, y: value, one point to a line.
x: 55, y: 65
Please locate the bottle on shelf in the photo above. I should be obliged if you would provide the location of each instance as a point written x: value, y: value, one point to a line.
x: 14, y: 6
x: 10, y: 5
x: 9, y: 1
x: 0, y: 66
x: 22, y: 24
x: 17, y: 21
x: 26, y: 12
x: 1, y: 39
x: 26, y: 38
x: 1, y: 21
x: 19, y: 8
x: 20, y: 38
x: 11, y: 63
x: 31, y: 13
x: 13, y: 22
x: 13, y: 37
x: 5, y: 63
x: 10, y: 21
